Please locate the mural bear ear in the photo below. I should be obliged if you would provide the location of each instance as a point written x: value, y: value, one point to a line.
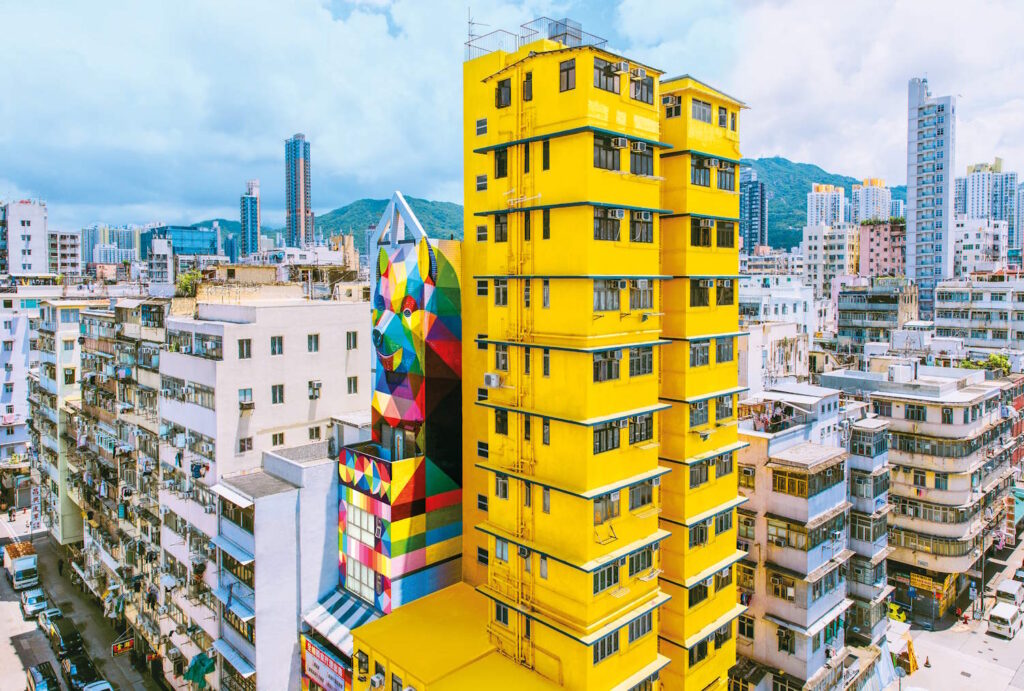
x: 382, y: 262
x: 428, y: 260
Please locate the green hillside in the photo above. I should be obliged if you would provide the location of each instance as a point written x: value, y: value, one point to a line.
x: 787, y: 184
x: 439, y: 219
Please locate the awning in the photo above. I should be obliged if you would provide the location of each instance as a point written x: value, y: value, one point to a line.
x: 234, y: 658
x: 231, y: 495
x: 818, y: 625
x: 236, y: 552
x: 336, y: 616
x: 128, y: 303
x: 238, y: 608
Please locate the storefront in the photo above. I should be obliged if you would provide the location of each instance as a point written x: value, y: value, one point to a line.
x: 322, y: 670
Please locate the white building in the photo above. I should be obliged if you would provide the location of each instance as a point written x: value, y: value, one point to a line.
x: 988, y: 192
x: 871, y: 201
x: 772, y: 353
x: 825, y: 205
x: 160, y: 263
x: 829, y: 252
x: 106, y: 253
x: 64, y: 252
x: 27, y: 238
x: 779, y: 298
x: 897, y: 208
x: 769, y: 260
x: 931, y: 143
x: 984, y: 311
x: 980, y: 245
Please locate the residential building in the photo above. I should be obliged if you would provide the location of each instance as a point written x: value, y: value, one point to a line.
x: 931, y: 144
x: 64, y: 253
x: 898, y: 209
x: 980, y: 246
x: 883, y: 248
x: 870, y: 313
x: 185, y: 240
x: 985, y: 310
x: 950, y: 453
x: 769, y: 260
x: 829, y: 252
x: 825, y: 205
x: 298, y: 212
x: 774, y: 352
x: 753, y: 211
x: 112, y: 254
x: 25, y: 238
x: 779, y: 298
x: 249, y: 215
x: 127, y: 238
x: 160, y: 262
x: 870, y: 201
x: 988, y: 192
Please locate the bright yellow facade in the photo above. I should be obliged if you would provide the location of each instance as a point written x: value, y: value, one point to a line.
x: 699, y: 383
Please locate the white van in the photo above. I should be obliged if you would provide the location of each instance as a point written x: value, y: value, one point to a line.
x: 1004, y: 620
x: 1012, y: 593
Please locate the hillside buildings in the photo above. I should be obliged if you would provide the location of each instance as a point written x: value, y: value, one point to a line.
x: 249, y: 216
x: 870, y: 201
x: 298, y: 212
x: 883, y: 248
x: 753, y: 211
x: 931, y: 144
x: 826, y: 205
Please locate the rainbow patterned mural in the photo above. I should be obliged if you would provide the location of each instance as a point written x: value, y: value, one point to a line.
x: 408, y: 479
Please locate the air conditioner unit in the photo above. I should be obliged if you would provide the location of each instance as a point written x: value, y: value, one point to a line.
x: 668, y: 100
x: 622, y: 284
x: 713, y: 163
x: 492, y: 380
x: 644, y: 215
x: 620, y: 142
x: 639, y: 147
x: 638, y: 73
x: 616, y: 214
x: 622, y: 66
x: 642, y: 283
x: 707, y: 223
x: 707, y: 283
x: 655, y: 482
x: 779, y: 542
x: 523, y: 552
x: 747, y: 471
x: 776, y: 580
x: 837, y: 534
x: 246, y: 405
x: 377, y: 681
x: 623, y: 423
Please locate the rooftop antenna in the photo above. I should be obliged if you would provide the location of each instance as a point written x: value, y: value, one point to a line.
x: 471, y: 25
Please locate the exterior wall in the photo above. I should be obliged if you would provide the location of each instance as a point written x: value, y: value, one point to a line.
x: 825, y: 205
x: 983, y: 311
x: 870, y: 313
x: 298, y: 205
x: 782, y: 298
x: 883, y: 249
x: 27, y: 238
x: 829, y: 252
x: 980, y: 246
x: 772, y: 352
x: 250, y: 218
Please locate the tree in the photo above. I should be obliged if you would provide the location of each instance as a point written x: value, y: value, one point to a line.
x: 187, y: 284
x: 995, y: 362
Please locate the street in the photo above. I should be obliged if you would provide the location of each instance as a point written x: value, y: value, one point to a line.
x: 24, y: 644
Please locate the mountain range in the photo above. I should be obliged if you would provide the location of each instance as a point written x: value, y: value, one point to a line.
x: 786, y: 182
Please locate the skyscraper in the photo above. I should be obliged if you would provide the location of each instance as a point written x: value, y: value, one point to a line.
x: 298, y: 209
x: 988, y: 192
x: 931, y: 141
x: 871, y: 201
x: 753, y: 210
x: 250, y: 218
x: 825, y: 205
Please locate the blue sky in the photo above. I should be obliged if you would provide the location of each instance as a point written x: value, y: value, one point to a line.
x: 136, y: 112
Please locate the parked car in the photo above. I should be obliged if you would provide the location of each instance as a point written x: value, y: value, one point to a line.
x: 42, y: 678
x: 47, y: 615
x: 78, y: 671
x: 33, y: 602
x: 65, y: 639
x: 1004, y: 620
x: 100, y: 685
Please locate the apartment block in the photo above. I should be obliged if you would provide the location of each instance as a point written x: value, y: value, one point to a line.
x: 780, y: 298
x: 985, y: 310
x: 299, y: 218
x: 883, y: 249
x: 829, y: 252
x: 24, y: 245
x: 826, y: 205
x: 989, y: 192
x: 249, y: 216
x: 772, y: 352
x: 64, y: 253
x: 769, y: 260
x: 870, y: 201
x: 753, y: 211
x: 980, y: 245
x: 870, y: 313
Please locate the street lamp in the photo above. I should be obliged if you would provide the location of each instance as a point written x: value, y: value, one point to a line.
x: 900, y: 673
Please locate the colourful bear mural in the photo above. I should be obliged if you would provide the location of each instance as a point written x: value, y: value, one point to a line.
x: 404, y: 488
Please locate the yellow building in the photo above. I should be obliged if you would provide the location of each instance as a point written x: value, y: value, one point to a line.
x: 579, y: 431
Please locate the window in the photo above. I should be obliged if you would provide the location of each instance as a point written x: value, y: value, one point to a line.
x: 726, y: 181
x: 725, y: 295
x: 481, y: 183
x: 68, y: 346
x: 701, y: 110
x: 723, y: 465
x: 732, y: 121
x: 353, y: 385
x: 606, y: 365
x: 277, y: 393
x: 641, y: 159
x: 277, y: 345
x: 745, y: 626
x: 528, y: 90
x: 606, y: 156
x: 606, y: 646
x: 501, y: 357
x: 882, y: 408
x: 641, y: 227
x: 501, y: 490
x: 606, y: 295
x: 501, y: 422
x: 314, y: 433
x: 700, y: 353
x: 501, y: 292
x: 566, y: 76
x: 526, y: 292
x: 606, y: 507
x: 699, y: 533
x: 545, y: 293
x: 700, y: 231
x: 723, y: 349
x: 606, y: 577
x: 501, y: 228
x: 723, y: 523
x: 698, y: 652
x: 501, y: 613
x: 481, y: 502
x: 782, y: 587
x: 500, y: 164
x: 723, y: 116
x: 481, y: 126
x: 641, y: 294
x: 277, y: 439
x: 481, y: 287
x: 481, y: 233
x: 244, y: 444
x: 941, y: 481
x: 606, y: 437
x: 787, y: 641
x: 396, y: 683
x: 313, y: 343
x: 546, y: 362
x: 919, y: 478
x: 947, y: 416
x: 503, y: 93
x: 699, y: 592
x: 545, y: 496
x: 698, y: 413
x: 700, y: 289
x: 245, y: 395
x: 641, y: 428
x: 351, y: 340
x: 545, y: 216
x: 244, y: 348
x: 641, y: 495
x: 700, y: 174
x: 675, y: 108
x: 918, y: 413
x: 642, y: 90
x: 641, y: 561
x: 606, y: 223
x: 641, y: 626
x: 605, y: 76
x: 641, y: 361
x: 725, y: 234
x: 545, y: 156
x: 482, y: 449
x: 69, y: 375
x: 526, y: 169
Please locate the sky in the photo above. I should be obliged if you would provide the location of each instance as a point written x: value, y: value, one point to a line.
x: 128, y: 112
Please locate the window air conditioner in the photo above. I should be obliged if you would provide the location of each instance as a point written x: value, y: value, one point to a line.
x: 616, y: 214
x: 620, y: 142
x: 622, y: 284
x: 638, y: 73
x: 621, y: 66
x: 623, y: 423
x: 638, y: 146
x: 656, y: 481
x: 707, y: 283
x: 377, y: 681
x: 645, y: 215
x: 524, y: 552
x: 668, y: 100
x: 492, y: 380
x: 642, y: 283
x: 776, y: 580
x: 707, y: 223
x: 711, y: 162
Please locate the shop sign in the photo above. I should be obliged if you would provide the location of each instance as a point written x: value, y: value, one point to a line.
x: 324, y: 669
x: 123, y: 647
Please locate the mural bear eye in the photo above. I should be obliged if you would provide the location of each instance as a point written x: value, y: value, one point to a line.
x: 378, y: 303
x: 408, y: 306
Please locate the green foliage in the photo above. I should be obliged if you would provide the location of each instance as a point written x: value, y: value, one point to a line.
x: 187, y: 284
x: 787, y: 184
x: 995, y: 362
